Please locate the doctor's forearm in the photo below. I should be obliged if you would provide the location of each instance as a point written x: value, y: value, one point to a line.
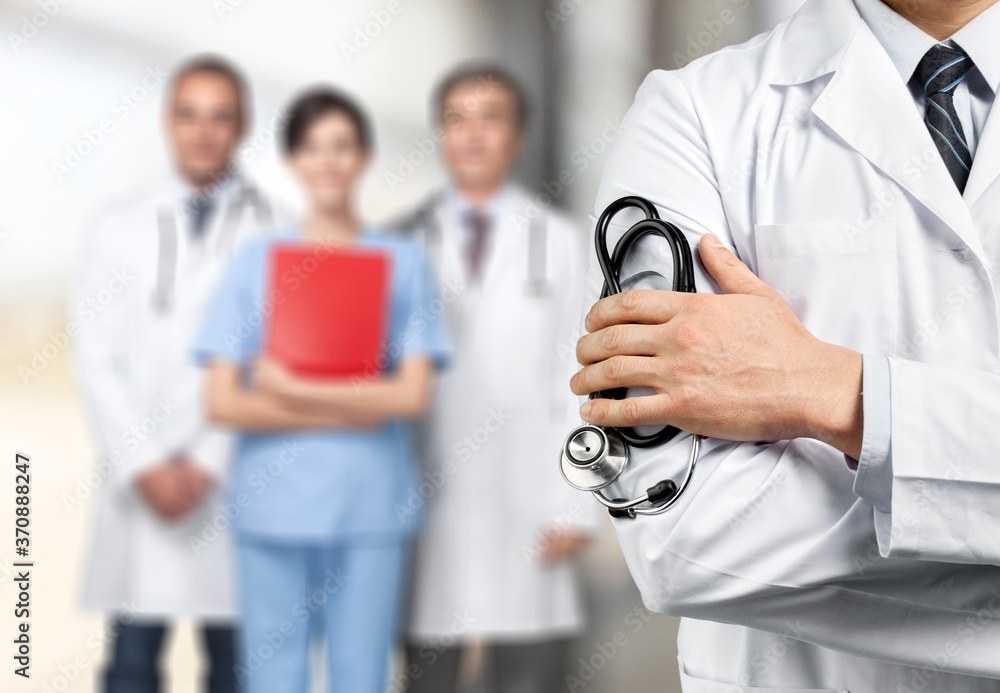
x: 836, y: 415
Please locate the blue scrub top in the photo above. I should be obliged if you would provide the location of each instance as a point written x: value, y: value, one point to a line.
x: 324, y: 485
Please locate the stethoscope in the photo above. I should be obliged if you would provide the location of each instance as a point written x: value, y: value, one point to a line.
x: 594, y: 457
x: 166, y: 226
x: 425, y: 223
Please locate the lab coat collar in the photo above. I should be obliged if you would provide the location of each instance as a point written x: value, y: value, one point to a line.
x: 871, y: 109
x: 815, y: 41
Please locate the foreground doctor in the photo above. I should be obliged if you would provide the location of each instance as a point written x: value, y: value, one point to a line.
x: 494, y: 562
x: 322, y: 464
x: 143, y: 392
x: 831, y: 155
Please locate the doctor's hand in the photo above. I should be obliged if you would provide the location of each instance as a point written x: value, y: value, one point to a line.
x: 737, y: 366
x: 561, y: 544
x: 172, y: 489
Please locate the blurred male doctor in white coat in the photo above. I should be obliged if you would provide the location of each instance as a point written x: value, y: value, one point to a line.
x: 839, y: 176
x: 157, y: 553
x: 494, y: 563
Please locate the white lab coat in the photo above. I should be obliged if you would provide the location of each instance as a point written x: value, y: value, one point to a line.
x: 491, y: 483
x: 803, y: 151
x: 144, y: 397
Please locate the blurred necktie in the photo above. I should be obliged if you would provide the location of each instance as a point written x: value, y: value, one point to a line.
x: 940, y: 71
x: 198, y: 208
x: 478, y: 226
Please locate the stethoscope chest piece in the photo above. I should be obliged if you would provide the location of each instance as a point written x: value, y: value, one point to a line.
x: 593, y: 457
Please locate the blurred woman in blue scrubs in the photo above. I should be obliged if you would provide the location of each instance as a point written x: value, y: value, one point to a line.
x: 321, y: 467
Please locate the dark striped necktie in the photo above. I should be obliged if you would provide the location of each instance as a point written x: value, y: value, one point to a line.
x: 940, y: 72
x: 199, y: 208
x: 478, y: 225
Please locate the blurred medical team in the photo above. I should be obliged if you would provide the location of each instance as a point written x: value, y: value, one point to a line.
x: 836, y: 178
x: 328, y: 474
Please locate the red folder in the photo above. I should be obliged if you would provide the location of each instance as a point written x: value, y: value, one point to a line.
x: 329, y: 315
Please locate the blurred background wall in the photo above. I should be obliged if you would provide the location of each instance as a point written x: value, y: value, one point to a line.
x: 81, y: 83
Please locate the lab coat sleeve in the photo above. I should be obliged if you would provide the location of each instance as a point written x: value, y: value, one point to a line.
x: 211, y: 450
x: 945, y: 477
x: 102, y: 360
x: 873, y: 482
x: 770, y: 535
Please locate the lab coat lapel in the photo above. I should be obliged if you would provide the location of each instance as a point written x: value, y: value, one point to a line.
x: 451, y: 261
x: 502, y: 246
x: 986, y: 165
x: 870, y: 108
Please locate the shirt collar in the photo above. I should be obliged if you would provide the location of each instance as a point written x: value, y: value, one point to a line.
x: 979, y: 39
x: 462, y: 206
x: 180, y: 190
x: 906, y: 44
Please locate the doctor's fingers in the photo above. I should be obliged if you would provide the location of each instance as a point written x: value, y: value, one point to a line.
x: 632, y: 411
x: 628, y: 340
x: 644, y: 306
x: 619, y: 371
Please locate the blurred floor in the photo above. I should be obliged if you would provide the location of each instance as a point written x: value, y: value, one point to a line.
x: 43, y: 419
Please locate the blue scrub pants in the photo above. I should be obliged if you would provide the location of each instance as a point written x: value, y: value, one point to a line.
x: 351, y: 591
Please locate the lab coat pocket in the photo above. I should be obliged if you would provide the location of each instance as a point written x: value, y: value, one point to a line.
x: 838, y: 277
x: 690, y: 684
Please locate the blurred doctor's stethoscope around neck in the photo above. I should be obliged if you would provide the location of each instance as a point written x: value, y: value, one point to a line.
x: 134, y: 354
x: 492, y: 549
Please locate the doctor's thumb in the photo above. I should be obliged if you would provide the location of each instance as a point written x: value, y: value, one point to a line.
x: 728, y: 270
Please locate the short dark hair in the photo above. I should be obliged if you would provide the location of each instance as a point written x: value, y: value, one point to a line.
x: 317, y: 102
x: 481, y: 72
x: 221, y: 67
